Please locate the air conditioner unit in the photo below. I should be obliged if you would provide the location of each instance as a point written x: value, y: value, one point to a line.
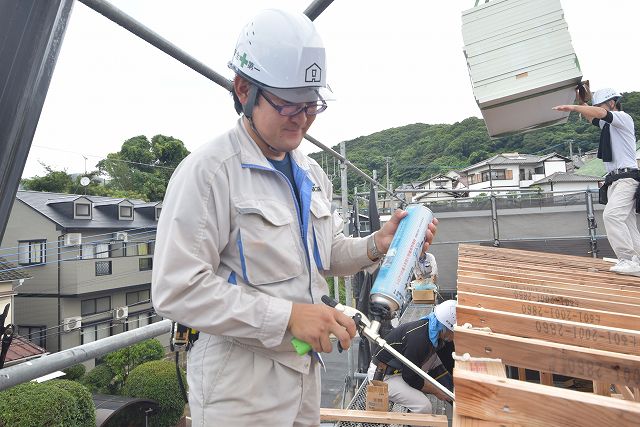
x: 121, y: 313
x: 122, y: 236
x: 73, y: 239
x: 72, y: 323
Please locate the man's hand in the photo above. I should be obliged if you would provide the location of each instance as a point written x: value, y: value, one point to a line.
x: 313, y: 323
x: 385, y: 235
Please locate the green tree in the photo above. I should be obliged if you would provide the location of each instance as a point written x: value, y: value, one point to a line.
x: 143, y: 166
x: 123, y: 361
x: 53, y: 181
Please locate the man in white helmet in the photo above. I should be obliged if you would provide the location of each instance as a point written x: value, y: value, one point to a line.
x: 246, y: 235
x: 620, y: 192
x: 423, y: 342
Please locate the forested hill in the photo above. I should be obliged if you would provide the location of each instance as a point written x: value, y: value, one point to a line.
x: 419, y: 150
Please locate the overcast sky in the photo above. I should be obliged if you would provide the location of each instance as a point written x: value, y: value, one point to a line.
x: 389, y: 64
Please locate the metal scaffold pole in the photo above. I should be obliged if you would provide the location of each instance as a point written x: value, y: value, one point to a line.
x: 36, y: 368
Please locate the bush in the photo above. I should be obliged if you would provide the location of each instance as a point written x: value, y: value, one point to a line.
x: 126, y: 359
x: 157, y: 380
x: 32, y: 404
x: 85, y: 416
x: 74, y: 372
x: 99, y: 379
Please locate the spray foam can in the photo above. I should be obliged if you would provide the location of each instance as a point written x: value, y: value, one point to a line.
x: 389, y: 288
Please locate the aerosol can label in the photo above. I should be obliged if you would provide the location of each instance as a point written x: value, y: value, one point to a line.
x: 397, y: 268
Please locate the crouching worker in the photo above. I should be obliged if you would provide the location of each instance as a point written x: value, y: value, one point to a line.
x: 421, y: 342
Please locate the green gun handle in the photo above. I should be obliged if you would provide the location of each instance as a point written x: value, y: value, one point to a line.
x: 300, y: 346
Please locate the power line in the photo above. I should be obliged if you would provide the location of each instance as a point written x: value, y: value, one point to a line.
x: 105, y: 159
x: 95, y: 235
x: 37, y: 334
x: 73, y: 250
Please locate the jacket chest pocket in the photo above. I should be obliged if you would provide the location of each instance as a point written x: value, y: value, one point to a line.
x: 268, y: 242
x: 323, y: 231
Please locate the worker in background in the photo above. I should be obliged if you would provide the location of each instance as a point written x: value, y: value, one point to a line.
x: 418, y: 341
x: 621, y: 192
x: 426, y: 268
x: 247, y: 234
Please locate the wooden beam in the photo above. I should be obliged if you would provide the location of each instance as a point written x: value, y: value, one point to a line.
x: 490, y: 367
x: 461, y: 421
x: 375, y: 417
x: 558, y: 299
x: 602, y: 389
x: 550, y: 311
x: 625, y: 391
x: 562, y: 359
x: 546, y: 378
x: 559, y: 261
x: 520, y: 274
x: 565, y: 289
x: 510, y: 401
x: 592, y: 336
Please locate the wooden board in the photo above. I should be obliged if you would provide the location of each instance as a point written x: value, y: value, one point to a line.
x: 555, y: 314
x: 491, y: 398
x: 550, y: 311
x: 592, y: 336
x: 331, y: 414
x: 538, y: 355
x: 557, y: 299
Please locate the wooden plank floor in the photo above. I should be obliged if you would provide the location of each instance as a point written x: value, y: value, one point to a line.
x: 555, y: 314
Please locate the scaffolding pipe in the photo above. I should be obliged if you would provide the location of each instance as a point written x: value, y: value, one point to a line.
x: 592, y: 225
x: 44, y: 365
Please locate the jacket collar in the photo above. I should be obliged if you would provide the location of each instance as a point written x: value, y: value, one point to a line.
x: 250, y: 153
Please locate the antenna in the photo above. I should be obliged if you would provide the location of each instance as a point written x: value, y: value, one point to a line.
x: 84, y: 181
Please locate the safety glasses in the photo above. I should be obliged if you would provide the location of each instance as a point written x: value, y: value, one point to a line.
x: 290, y: 110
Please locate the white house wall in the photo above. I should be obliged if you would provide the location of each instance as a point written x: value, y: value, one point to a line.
x: 553, y: 166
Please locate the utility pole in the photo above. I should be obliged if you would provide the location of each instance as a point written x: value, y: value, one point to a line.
x: 388, y: 186
x: 570, y: 148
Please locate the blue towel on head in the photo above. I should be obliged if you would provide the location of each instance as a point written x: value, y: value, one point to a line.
x: 434, y: 328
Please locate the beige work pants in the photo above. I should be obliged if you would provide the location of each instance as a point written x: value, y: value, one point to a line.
x: 620, y: 219
x: 231, y: 386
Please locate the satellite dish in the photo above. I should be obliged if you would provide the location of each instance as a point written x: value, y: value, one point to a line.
x: 84, y: 181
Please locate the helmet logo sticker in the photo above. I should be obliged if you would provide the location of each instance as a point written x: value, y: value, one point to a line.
x: 244, y: 62
x: 313, y: 74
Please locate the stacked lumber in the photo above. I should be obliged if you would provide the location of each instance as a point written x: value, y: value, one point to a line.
x: 521, y: 63
x: 554, y: 314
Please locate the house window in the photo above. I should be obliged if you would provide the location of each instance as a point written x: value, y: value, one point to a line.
x: 143, y: 248
x: 158, y: 210
x: 496, y: 174
x: 35, y: 334
x: 95, y: 332
x: 145, y: 264
x: 539, y: 170
x: 95, y: 305
x: 139, y: 320
x: 83, y: 210
x: 88, y: 251
x: 102, y: 250
x: 126, y: 212
x: 138, y: 297
x: 32, y: 252
x: 103, y: 268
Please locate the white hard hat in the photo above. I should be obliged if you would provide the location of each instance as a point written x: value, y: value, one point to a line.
x: 603, y: 95
x: 446, y: 313
x: 283, y: 53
